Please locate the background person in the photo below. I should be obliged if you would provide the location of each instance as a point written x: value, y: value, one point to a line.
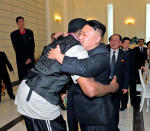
x: 132, y: 76
x: 4, y: 63
x: 23, y: 43
x: 140, y: 57
x: 119, y: 66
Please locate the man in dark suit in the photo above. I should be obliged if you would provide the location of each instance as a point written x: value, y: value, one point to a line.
x: 132, y: 82
x: 23, y: 43
x: 121, y: 70
x: 4, y: 75
x: 94, y: 112
x: 140, y: 57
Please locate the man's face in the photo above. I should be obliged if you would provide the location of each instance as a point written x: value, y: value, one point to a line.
x: 20, y: 23
x: 89, y: 38
x: 148, y: 46
x: 126, y: 44
x: 141, y: 43
x: 115, y: 42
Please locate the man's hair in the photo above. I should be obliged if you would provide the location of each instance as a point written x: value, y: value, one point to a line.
x: 76, y: 24
x: 97, y: 26
x: 52, y: 35
x: 120, y: 37
x: 125, y: 38
x: 148, y: 43
x: 19, y: 17
x: 141, y: 39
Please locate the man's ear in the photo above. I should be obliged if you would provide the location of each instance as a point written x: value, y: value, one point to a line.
x: 98, y: 39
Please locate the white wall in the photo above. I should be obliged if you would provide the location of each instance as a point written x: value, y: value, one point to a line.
x: 34, y: 13
x: 97, y: 9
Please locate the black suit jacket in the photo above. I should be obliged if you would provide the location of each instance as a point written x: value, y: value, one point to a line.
x: 98, y: 110
x: 132, y: 68
x: 4, y: 62
x: 140, y: 57
x: 23, y: 45
x: 122, y: 69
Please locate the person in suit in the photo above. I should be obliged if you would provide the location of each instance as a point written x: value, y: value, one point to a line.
x: 132, y: 76
x: 23, y: 44
x: 140, y: 57
x: 148, y: 52
x: 4, y: 74
x: 93, y: 112
x: 119, y: 66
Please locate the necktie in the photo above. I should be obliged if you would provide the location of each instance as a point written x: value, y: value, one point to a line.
x: 112, y: 66
x: 141, y: 49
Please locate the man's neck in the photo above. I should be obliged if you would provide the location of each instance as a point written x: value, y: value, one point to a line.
x: 93, y: 47
x: 21, y: 29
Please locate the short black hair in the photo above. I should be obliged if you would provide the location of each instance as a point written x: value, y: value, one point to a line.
x: 120, y: 37
x: 52, y: 35
x: 148, y: 43
x: 141, y: 39
x: 19, y: 17
x: 97, y: 25
x: 76, y: 24
x: 125, y: 38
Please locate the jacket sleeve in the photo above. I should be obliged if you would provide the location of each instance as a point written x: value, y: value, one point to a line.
x: 126, y: 72
x: 32, y: 47
x: 87, y: 67
x: 7, y: 62
x: 14, y: 43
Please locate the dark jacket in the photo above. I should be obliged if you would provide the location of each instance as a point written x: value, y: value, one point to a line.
x: 3, y: 63
x: 97, y: 110
x: 46, y: 78
x: 24, y: 46
x: 140, y: 57
x: 122, y: 69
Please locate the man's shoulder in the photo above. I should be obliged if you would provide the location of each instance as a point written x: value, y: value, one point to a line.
x: 14, y: 32
x: 102, y: 48
x: 28, y: 30
x: 67, y: 42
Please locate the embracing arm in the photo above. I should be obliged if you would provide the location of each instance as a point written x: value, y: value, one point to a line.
x: 91, y: 88
x: 86, y: 67
x: 7, y: 62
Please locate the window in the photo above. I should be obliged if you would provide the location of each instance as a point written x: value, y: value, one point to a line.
x: 110, y: 19
x: 147, y: 22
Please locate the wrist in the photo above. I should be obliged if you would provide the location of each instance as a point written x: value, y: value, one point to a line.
x: 112, y: 88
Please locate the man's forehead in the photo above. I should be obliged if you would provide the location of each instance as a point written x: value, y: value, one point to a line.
x: 87, y: 28
x: 126, y: 41
x: 115, y: 37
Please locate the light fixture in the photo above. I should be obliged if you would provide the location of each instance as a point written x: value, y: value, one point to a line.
x: 57, y: 18
x: 129, y: 21
x: 90, y: 18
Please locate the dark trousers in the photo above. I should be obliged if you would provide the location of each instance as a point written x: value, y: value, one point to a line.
x: 8, y: 86
x: 109, y: 127
x: 116, y: 102
x: 23, y: 69
x: 133, y: 95
x: 72, y: 123
x: 57, y: 124
x: 124, y: 99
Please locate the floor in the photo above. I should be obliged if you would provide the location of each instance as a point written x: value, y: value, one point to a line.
x: 8, y: 114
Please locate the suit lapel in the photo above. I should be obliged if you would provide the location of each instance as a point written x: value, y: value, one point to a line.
x: 118, y: 58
